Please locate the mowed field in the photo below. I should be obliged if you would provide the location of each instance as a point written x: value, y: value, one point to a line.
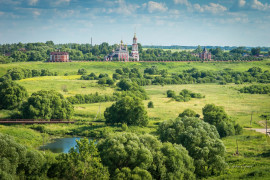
x: 254, y: 148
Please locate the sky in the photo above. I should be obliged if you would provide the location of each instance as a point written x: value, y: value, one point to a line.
x: 171, y: 22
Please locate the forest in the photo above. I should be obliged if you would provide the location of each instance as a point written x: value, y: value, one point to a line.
x: 146, y: 121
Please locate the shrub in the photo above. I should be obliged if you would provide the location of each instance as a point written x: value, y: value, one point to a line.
x: 82, y: 71
x: 150, y: 104
x: 189, y: 113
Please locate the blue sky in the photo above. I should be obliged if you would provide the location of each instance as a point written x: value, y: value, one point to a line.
x: 171, y: 22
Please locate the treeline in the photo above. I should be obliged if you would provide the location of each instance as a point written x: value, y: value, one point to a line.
x: 194, y: 76
x: 21, y: 73
x: 256, y: 89
x: 90, y: 98
x: 40, y: 52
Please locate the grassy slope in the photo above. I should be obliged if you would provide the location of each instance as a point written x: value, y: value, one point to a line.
x: 253, y: 147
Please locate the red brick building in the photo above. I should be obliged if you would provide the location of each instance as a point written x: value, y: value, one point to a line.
x: 59, y: 57
x: 205, y: 55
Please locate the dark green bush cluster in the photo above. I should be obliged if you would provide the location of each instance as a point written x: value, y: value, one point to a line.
x: 102, y: 78
x: 256, y: 89
x: 20, y: 73
x: 189, y: 113
x: 184, y: 96
x: 82, y: 71
x: 127, y: 73
x: 90, y: 98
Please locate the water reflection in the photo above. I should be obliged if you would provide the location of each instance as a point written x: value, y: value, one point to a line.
x: 61, y: 145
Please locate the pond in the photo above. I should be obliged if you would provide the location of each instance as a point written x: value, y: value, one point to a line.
x: 61, y: 145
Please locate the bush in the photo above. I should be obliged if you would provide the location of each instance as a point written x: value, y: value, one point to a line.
x: 82, y: 71
x: 150, y: 104
x: 127, y: 110
x: 170, y: 93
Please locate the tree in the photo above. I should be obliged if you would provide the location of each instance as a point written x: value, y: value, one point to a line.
x: 143, y: 156
x: 255, y: 51
x: 189, y: 113
x: 216, y: 115
x: 82, y: 162
x: 82, y: 71
x: 11, y: 95
x: 16, y: 160
x: 125, y: 84
x: 47, y: 105
x: 200, y: 139
x: 127, y: 110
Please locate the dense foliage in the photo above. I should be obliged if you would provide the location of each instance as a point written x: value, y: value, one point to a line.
x: 200, y: 139
x: 184, y: 96
x: 47, y: 105
x: 90, y: 98
x: 82, y: 71
x: 217, y: 116
x: 11, y: 95
x: 17, y: 161
x: 144, y: 157
x: 127, y: 110
x: 256, y: 89
x: 82, y: 162
x: 19, y: 73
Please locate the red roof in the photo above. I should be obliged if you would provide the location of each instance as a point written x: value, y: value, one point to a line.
x: 59, y: 53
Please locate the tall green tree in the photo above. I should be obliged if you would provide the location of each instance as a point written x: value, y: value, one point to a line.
x: 128, y: 155
x: 11, y: 95
x: 47, y: 105
x: 200, y: 139
x: 127, y: 110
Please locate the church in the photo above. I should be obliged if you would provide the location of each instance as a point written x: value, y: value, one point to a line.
x: 122, y: 53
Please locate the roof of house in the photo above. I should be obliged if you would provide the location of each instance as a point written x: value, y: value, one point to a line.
x: 59, y: 53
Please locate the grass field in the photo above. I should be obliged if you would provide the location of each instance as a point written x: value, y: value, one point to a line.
x: 254, y: 148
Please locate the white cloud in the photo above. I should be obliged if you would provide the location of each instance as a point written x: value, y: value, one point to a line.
x: 32, y: 2
x: 124, y: 8
x: 242, y: 3
x: 36, y: 13
x: 212, y: 8
x: 184, y: 2
x: 255, y: 4
x: 60, y: 2
x: 155, y: 6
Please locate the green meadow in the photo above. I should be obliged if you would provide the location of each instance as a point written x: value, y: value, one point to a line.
x: 253, y: 147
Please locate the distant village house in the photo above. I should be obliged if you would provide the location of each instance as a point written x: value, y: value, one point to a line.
x: 59, y: 57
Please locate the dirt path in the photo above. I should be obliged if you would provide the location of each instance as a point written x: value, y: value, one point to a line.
x: 261, y: 130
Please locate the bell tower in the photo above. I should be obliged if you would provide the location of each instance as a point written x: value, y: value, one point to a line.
x: 135, y: 52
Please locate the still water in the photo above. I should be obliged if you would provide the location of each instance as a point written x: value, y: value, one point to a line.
x: 61, y: 145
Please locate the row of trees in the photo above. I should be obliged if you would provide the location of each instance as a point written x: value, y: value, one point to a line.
x: 21, y: 73
x: 184, y: 96
x: 256, y: 89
